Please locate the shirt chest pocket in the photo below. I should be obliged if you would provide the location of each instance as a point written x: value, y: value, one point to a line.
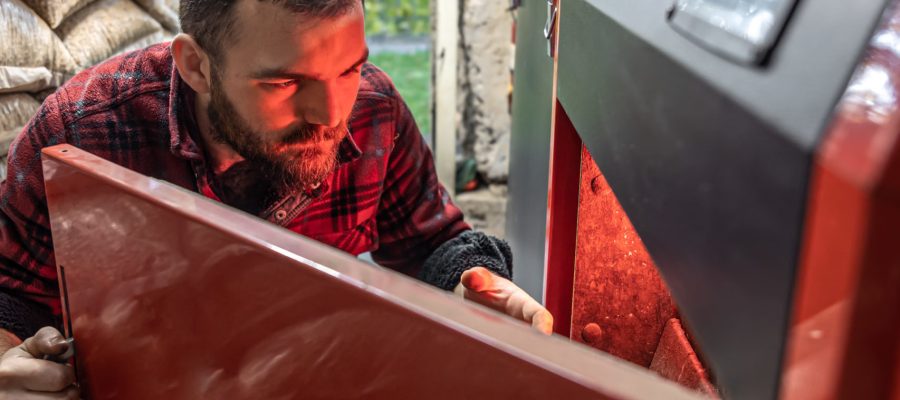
x: 356, y: 240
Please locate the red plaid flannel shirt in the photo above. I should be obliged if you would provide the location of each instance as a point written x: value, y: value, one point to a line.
x: 133, y: 110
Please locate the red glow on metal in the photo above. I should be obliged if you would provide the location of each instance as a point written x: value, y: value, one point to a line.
x: 617, y: 286
x: 601, y: 282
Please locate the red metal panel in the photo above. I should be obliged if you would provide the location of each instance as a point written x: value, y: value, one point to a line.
x: 846, y: 329
x: 562, y: 216
x: 170, y: 295
x: 617, y: 286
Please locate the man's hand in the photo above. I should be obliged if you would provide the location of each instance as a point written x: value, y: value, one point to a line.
x: 484, y: 287
x: 24, y: 374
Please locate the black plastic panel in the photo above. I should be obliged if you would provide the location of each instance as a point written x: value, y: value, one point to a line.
x: 710, y: 160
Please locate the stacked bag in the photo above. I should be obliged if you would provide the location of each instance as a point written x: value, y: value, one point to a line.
x: 43, y: 43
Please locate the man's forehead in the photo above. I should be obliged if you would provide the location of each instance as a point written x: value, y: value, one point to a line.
x: 268, y: 35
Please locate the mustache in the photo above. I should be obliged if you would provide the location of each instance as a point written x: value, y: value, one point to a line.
x: 310, y: 132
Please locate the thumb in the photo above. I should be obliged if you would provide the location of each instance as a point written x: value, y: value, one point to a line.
x: 477, y: 279
x: 46, y: 342
x: 543, y: 321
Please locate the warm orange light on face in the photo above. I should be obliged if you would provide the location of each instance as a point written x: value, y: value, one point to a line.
x: 286, y: 70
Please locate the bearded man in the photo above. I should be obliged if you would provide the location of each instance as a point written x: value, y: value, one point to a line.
x: 271, y: 107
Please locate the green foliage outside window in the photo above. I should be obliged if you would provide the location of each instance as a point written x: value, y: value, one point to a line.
x: 397, y: 17
x: 412, y: 76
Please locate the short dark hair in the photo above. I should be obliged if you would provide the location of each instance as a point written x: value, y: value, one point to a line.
x: 211, y: 22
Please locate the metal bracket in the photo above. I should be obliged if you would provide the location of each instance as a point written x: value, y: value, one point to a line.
x: 550, y: 27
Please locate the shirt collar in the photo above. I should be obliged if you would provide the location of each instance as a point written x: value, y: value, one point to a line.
x: 181, y: 119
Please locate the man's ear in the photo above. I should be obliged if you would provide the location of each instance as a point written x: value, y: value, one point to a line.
x: 192, y: 62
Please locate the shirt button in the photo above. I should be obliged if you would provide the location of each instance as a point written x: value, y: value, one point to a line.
x: 280, y: 214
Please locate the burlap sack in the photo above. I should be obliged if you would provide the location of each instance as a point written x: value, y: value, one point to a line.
x: 145, y: 41
x: 24, y: 79
x: 15, y: 111
x: 105, y: 28
x: 165, y: 11
x: 6, y: 138
x: 55, y: 11
x: 27, y: 41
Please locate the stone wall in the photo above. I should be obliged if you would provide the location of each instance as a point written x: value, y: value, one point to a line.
x: 485, y: 62
x: 485, y: 66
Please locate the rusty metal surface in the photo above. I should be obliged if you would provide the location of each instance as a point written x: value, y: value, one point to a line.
x: 845, y: 330
x: 617, y: 286
x: 170, y: 295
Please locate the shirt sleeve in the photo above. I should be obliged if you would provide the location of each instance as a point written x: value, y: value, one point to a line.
x: 415, y: 215
x: 27, y: 265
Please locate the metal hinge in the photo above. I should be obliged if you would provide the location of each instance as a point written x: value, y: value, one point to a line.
x: 550, y: 27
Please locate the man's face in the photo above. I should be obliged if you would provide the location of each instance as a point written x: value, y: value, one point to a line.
x: 284, y: 88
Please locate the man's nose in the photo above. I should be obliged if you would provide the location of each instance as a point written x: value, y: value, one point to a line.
x: 323, y: 106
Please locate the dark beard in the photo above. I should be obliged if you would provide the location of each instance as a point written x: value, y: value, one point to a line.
x: 265, y: 174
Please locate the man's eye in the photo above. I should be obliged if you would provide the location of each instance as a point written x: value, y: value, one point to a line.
x: 352, y: 72
x: 280, y: 84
